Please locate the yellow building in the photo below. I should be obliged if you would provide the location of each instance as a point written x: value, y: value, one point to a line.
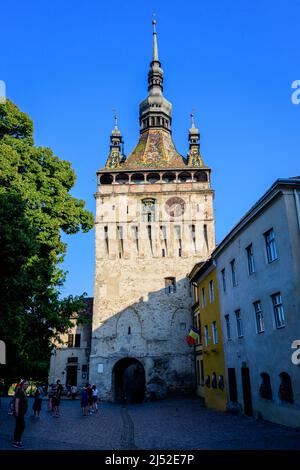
x: 207, y: 319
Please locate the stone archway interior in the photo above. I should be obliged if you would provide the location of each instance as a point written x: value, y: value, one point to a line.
x: 128, y: 381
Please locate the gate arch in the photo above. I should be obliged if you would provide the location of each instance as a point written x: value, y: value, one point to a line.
x: 128, y: 381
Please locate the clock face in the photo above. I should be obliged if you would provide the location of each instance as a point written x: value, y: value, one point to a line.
x: 175, y: 206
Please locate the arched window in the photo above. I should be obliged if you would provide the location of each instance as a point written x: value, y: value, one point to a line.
x: 106, y: 179
x: 221, y: 382
x: 168, y: 177
x: 265, y: 389
x: 138, y: 178
x: 285, y: 391
x: 122, y: 178
x: 148, y: 210
x: 153, y: 177
x: 200, y: 176
x: 214, y: 380
x: 207, y: 381
x: 185, y: 176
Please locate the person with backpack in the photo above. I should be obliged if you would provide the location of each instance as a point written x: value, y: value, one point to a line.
x: 20, y: 410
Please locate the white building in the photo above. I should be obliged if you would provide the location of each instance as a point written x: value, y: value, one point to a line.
x: 258, y: 269
x: 70, y: 358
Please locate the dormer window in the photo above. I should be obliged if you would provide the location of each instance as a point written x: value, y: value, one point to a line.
x: 148, y: 210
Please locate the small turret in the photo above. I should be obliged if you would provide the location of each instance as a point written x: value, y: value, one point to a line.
x: 116, y: 154
x: 194, y: 156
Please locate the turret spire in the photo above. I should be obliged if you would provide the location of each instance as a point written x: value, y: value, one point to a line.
x: 155, y: 110
x: 155, y: 48
x: 194, y: 156
x: 116, y: 154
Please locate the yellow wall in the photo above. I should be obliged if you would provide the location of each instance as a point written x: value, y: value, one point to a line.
x: 213, y: 354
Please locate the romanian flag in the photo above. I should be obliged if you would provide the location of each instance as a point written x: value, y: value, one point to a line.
x: 193, y: 336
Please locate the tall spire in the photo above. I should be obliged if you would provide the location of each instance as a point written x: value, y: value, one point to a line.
x: 155, y: 48
x: 155, y: 110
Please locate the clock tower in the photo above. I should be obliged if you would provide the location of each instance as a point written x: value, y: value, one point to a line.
x: 154, y: 221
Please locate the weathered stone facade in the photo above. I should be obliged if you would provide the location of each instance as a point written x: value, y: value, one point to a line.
x: 154, y: 220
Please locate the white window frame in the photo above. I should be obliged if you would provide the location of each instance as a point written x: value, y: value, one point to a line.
x: 278, y: 311
x: 259, y: 318
x: 214, y: 329
x: 250, y: 259
x: 206, y: 335
x: 223, y: 274
x: 233, y: 272
x: 228, y: 327
x: 239, y: 323
x: 271, y: 248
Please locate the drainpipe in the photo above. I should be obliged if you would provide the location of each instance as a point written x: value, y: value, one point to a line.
x: 296, y: 196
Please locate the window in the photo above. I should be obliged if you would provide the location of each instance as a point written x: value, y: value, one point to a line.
x: 278, y: 310
x: 195, y: 293
x: 215, y: 332
x: 148, y: 210
x: 197, y: 325
x: 163, y: 253
x: 207, y: 381
x: 170, y: 285
x: 201, y: 372
x: 239, y: 324
x: 265, y: 389
x: 120, y: 240
x: 77, y: 340
x: 214, y: 383
x: 70, y: 341
x: 223, y: 279
x: 106, y: 239
x: 227, y: 321
x: 250, y: 257
x: 84, y: 368
x: 259, y: 319
x: 285, y: 391
x: 221, y: 382
x: 193, y: 234
x: 129, y: 330
x: 211, y: 292
x: 135, y: 235
x: 270, y: 245
x: 74, y: 340
x: 206, y: 337
x: 163, y: 232
x: 203, y: 297
x: 233, y: 273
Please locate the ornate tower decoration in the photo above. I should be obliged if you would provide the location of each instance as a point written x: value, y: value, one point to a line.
x: 154, y: 221
x: 194, y: 156
x: 116, y: 154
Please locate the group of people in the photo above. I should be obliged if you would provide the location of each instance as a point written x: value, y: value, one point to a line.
x: 89, y: 404
x: 89, y: 400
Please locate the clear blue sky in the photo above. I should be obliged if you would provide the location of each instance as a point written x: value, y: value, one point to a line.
x: 68, y: 64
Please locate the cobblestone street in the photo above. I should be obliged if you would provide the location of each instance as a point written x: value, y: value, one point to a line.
x: 181, y: 423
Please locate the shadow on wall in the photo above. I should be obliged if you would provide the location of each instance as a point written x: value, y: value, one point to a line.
x: 144, y: 343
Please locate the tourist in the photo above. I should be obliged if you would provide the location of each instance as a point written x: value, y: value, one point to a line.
x: 21, y: 406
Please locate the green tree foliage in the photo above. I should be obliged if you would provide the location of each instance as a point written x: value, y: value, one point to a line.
x: 35, y: 207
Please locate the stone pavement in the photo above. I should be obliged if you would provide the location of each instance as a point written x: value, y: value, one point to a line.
x: 172, y: 424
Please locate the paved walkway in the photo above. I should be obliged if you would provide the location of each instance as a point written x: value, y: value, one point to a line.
x: 181, y: 423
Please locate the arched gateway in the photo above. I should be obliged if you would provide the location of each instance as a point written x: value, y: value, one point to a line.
x: 128, y: 381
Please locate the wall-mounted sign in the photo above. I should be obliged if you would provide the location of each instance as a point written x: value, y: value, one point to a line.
x: 100, y: 369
